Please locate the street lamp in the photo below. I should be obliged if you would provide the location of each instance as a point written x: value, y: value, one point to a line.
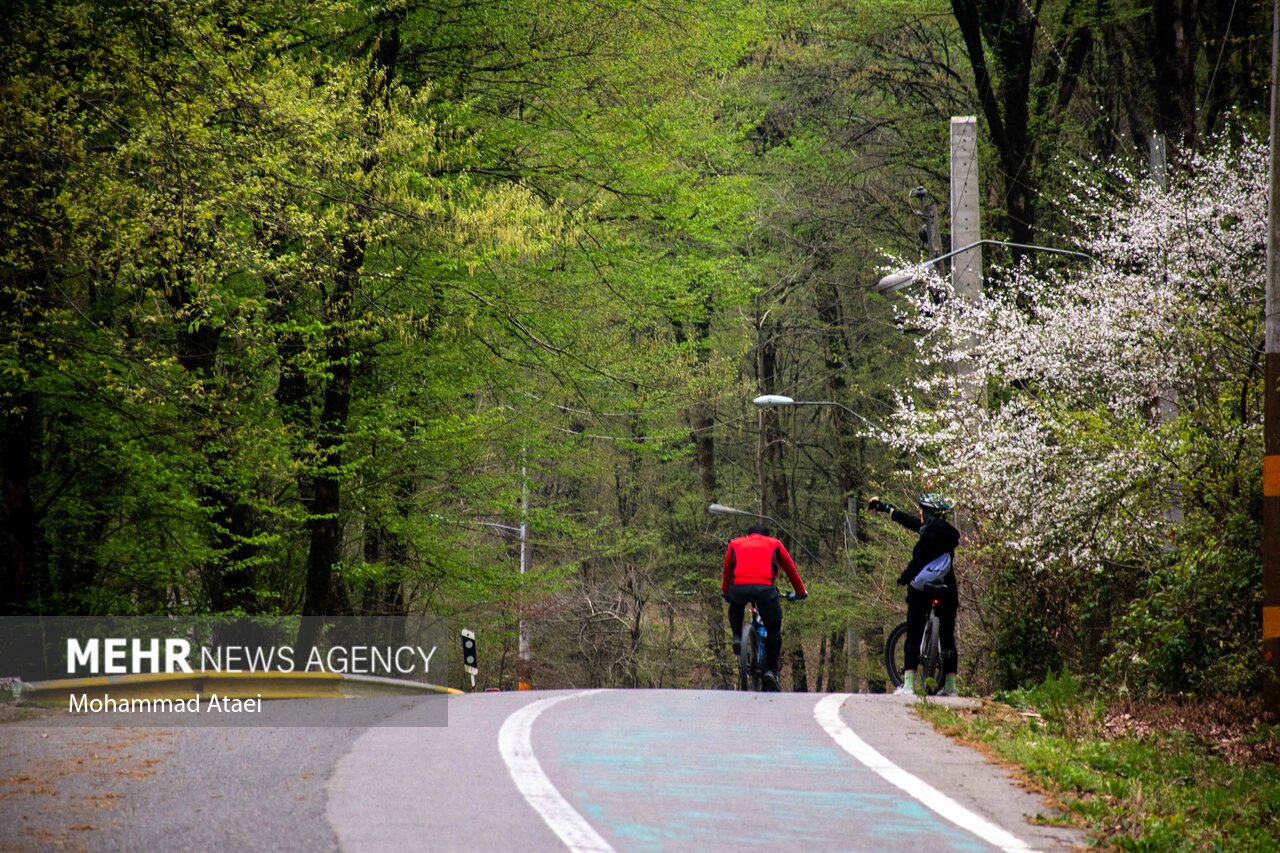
x: 506, y: 528
x: 767, y: 400
x: 524, y: 657
x: 722, y: 511
x: 898, y: 280
x: 764, y: 400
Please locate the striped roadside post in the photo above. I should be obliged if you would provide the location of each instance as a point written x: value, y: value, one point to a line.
x: 1271, y: 407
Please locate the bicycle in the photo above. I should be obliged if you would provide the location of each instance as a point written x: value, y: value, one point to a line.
x: 751, y: 668
x: 931, y: 663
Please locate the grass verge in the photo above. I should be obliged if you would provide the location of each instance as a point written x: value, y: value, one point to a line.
x: 1177, y: 775
x: 10, y: 711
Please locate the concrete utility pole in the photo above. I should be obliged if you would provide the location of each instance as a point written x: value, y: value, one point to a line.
x: 1159, y: 160
x: 1166, y: 399
x: 1271, y: 406
x: 966, y: 267
x: 524, y: 665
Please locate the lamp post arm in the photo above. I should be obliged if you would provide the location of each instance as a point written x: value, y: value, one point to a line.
x: 727, y: 511
x: 843, y: 407
x: 898, y: 280
x: 506, y: 528
x: 723, y: 511
x: 474, y: 523
x: 1048, y: 249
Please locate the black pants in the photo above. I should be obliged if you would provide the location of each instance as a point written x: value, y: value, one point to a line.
x: 918, y: 614
x: 766, y: 598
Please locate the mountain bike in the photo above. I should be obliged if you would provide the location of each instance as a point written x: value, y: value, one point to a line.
x: 931, y: 663
x: 751, y: 652
x: 751, y: 656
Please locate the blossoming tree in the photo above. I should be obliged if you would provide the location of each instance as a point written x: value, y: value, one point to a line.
x: 1103, y: 422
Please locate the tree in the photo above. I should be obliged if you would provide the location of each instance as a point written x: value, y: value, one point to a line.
x: 1023, y: 95
x: 228, y: 202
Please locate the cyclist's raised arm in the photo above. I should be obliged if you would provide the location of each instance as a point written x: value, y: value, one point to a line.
x: 906, y: 519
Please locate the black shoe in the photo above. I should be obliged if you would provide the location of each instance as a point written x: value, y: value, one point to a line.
x: 771, y: 682
x: 737, y: 648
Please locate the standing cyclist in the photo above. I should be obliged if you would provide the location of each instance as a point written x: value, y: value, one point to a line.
x: 931, y: 560
x: 751, y: 566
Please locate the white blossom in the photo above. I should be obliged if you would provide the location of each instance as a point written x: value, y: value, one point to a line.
x: 1050, y: 433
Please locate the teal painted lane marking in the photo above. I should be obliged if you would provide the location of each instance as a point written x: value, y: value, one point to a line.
x: 785, y: 819
x: 668, y: 785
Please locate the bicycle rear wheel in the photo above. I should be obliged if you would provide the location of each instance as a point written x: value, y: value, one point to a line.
x: 758, y: 661
x: 895, y: 653
x: 746, y: 657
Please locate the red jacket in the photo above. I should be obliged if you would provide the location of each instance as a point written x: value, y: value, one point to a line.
x: 754, y: 559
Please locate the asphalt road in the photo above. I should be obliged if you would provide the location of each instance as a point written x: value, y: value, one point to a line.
x: 577, y: 770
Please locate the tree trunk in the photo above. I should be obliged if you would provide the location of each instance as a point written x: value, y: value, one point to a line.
x: 229, y: 580
x: 326, y: 479
x: 23, y: 582
x: 291, y: 385
x: 799, y: 673
x: 822, y: 664
x: 848, y: 468
x: 1174, y: 23
x: 712, y: 604
x: 637, y: 626
x: 1005, y: 31
x: 838, y: 664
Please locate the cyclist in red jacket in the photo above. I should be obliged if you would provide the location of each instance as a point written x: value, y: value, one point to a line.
x: 751, y: 566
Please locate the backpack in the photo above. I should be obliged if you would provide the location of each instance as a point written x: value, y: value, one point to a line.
x: 933, y: 571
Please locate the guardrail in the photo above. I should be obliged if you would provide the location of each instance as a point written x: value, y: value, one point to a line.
x: 229, y: 685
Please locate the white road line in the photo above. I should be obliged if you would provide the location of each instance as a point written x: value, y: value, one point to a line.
x: 827, y: 713
x: 515, y: 742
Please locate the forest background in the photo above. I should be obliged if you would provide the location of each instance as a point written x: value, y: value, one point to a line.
x: 309, y: 306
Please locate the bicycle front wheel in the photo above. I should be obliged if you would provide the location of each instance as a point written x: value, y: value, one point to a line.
x: 931, y: 657
x: 895, y: 654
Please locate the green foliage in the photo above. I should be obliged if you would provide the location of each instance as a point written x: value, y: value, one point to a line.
x: 1156, y: 787
x: 1056, y: 699
x: 1023, y: 652
x: 1189, y: 629
x: 322, y: 289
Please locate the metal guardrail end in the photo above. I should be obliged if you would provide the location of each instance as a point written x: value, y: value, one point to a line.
x: 229, y: 685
